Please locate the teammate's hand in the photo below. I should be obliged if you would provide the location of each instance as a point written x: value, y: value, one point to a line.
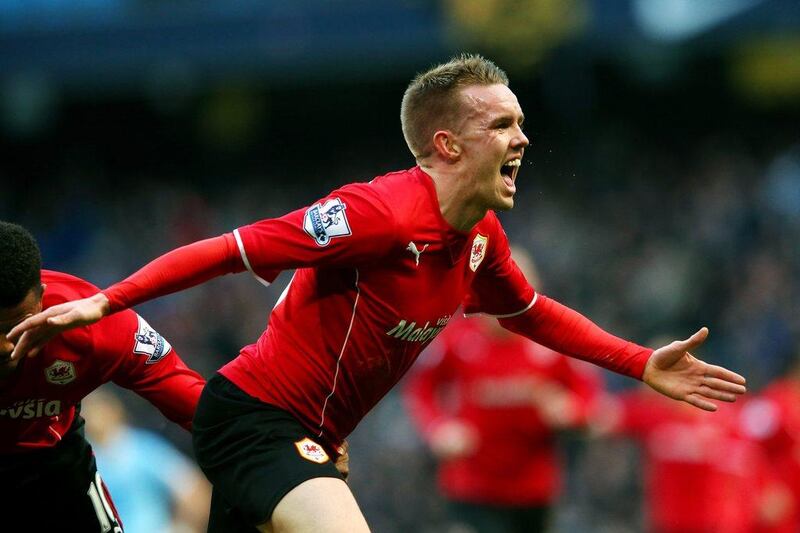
x: 30, y: 335
x: 674, y: 372
x: 342, y: 463
x: 453, y: 439
x: 556, y: 404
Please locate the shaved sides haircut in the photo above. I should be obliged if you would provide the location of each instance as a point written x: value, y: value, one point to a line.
x: 431, y: 100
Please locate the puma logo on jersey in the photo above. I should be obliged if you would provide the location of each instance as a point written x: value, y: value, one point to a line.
x: 416, y: 251
x: 36, y: 408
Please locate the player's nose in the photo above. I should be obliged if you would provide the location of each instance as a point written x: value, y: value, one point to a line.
x: 520, y: 139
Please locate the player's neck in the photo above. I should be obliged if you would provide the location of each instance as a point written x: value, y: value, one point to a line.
x: 452, y: 191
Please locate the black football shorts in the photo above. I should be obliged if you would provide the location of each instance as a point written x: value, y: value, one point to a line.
x: 253, y: 453
x: 56, y: 489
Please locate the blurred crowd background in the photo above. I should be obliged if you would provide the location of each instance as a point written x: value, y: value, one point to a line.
x: 661, y: 190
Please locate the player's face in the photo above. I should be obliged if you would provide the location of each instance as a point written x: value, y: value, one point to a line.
x: 492, y: 143
x: 10, y: 317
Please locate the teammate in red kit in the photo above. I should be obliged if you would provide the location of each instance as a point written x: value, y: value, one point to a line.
x: 490, y: 405
x: 700, y: 475
x: 381, y: 268
x: 49, y: 476
x: 772, y: 420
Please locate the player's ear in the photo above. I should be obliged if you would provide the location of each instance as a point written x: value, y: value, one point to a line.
x: 444, y: 143
x: 40, y: 294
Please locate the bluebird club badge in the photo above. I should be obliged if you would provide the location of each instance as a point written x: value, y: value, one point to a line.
x: 477, y: 252
x: 60, y: 372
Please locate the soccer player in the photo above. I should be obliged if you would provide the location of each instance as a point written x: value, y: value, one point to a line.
x: 49, y: 479
x: 699, y: 473
x: 155, y: 486
x: 381, y: 268
x: 772, y: 420
x: 490, y: 404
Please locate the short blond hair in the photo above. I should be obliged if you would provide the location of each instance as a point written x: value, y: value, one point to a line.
x: 431, y: 99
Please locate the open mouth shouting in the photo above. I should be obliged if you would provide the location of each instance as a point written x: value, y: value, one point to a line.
x: 509, y: 172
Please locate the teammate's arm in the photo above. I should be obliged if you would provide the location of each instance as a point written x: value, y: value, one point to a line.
x: 447, y: 436
x: 135, y: 356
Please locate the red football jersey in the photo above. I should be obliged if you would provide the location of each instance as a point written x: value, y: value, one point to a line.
x: 38, y: 403
x: 700, y: 475
x: 380, y: 273
x: 772, y: 419
x: 489, y: 382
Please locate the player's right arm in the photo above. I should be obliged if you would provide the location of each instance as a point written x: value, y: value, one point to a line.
x: 348, y: 227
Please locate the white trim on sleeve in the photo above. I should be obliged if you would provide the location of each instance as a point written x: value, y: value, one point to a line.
x: 509, y: 315
x: 240, y: 244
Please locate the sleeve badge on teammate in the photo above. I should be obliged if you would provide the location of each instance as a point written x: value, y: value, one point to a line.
x: 60, y: 372
x: 477, y: 252
x: 326, y: 221
x: 310, y: 450
x: 150, y: 343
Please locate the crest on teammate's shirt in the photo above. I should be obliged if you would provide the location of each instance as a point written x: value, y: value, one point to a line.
x: 148, y: 342
x: 477, y: 252
x: 325, y: 221
x: 312, y: 451
x: 60, y: 372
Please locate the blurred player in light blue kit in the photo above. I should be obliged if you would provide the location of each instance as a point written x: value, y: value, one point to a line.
x: 156, y: 487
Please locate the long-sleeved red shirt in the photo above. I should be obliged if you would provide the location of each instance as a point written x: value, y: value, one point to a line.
x: 379, y: 273
x: 39, y: 402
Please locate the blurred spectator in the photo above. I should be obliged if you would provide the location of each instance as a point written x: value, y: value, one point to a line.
x: 156, y: 488
x: 490, y: 404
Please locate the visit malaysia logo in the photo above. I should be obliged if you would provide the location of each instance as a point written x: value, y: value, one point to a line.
x: 406, y: 331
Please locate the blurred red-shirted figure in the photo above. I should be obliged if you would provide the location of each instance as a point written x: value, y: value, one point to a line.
x: 772, y: 419
x: 489, y: 404
x: 700, y: 474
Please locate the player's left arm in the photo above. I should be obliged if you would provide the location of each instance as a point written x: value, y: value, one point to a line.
x: 134, y: 355
x: 671, y: 370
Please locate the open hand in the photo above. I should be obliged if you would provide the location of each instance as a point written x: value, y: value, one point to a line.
x: 30, y: 335
x: 674, y: 372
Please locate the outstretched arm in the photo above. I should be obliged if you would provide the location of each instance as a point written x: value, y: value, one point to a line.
x: 174, y: 271
x: 671, y: 370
